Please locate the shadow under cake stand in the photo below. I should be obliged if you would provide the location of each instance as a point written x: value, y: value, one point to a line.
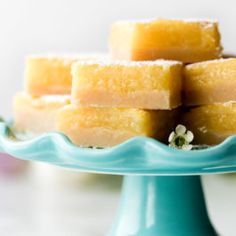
x: 162, y: 193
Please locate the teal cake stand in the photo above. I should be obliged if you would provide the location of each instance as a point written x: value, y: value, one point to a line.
x: 162, y: 193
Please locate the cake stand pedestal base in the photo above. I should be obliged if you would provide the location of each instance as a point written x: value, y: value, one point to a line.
x: 162, y: 206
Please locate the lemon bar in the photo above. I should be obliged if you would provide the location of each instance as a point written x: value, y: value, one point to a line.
x: 46, y: 75
x: 211, y: 124
x: 36, y: 115
x: 184, y: 40
x: 144, y: 85
x: 210, y: 82
x: 104, y: 127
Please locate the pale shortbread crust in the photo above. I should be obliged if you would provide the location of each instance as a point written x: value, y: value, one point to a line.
x: 184, y: 55
x: 153, y: 100
x: 37, y: 115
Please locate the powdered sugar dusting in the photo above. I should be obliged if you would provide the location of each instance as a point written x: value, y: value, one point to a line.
x: 205, y: 63
x: 160, y: 62
x: 55, y: 98
x: 229, y: 103
x: 190, y: 20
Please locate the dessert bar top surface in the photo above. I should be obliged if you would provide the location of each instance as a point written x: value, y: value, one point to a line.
x: 148, y: 21
x: 125, y: 63
x: 210, y: 62
x: 46, y: 99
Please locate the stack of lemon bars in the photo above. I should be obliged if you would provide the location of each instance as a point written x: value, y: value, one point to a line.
x: 157, y: 73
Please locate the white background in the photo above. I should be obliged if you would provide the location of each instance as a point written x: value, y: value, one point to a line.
x: 29, y: 26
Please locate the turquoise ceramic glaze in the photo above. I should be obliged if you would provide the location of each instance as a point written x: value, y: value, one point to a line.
x: 139, y: 156
x: 162, y: 206
x: 159, y: 197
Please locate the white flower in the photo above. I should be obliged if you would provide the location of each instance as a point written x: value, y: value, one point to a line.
x: 181, y: 138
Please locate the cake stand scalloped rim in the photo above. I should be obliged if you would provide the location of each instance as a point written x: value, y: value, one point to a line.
x: 139, y: 156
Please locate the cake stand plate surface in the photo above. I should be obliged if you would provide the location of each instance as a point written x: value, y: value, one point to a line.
x: 162, y: 193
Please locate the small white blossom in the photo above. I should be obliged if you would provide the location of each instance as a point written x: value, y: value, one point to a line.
x: 181, y: 138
